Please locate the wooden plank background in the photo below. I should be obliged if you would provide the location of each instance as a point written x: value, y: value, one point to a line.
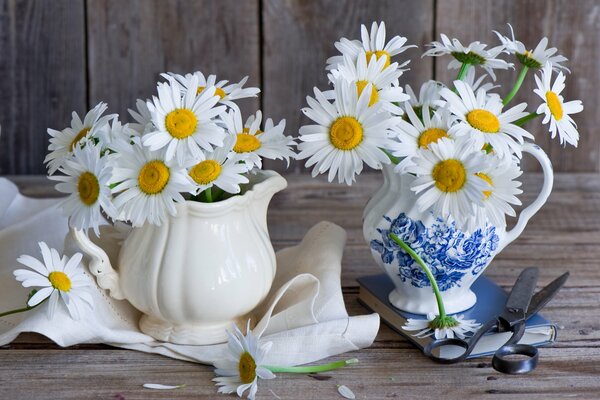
x: 63, y: 55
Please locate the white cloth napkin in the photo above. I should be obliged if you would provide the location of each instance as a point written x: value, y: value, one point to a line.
x: 304, y: 314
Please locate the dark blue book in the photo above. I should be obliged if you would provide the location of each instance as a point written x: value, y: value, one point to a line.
x: 491, y: 298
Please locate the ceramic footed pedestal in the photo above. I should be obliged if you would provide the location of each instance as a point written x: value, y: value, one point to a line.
x: 199, y: 272
x: 455, y: 258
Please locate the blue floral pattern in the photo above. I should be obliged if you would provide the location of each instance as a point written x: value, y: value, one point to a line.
x: 447, y: 251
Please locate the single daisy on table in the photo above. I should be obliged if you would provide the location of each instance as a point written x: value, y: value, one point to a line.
x: 424, y: 326
x: 253, y: 144
x: 383, y: 80
x: 446, y: 180
x: 183, y: 124
x: 555, y: 110
x: 474, y: 54
x: 241, y: 368
x: 85, y: 179
x: 146, y: 186
x: 481, y: 117
x: 220, y: 168
x: 347, y: 133
x: 63, y: 142
x: 60, y: 278
x: 372, y: 44
x: 536, y: 58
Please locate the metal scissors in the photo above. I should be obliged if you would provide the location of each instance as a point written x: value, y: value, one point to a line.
x: 520, y: 306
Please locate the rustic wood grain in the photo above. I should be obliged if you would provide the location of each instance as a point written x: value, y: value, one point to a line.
x: 131, y: 42
x: 42, y: 64
x: 573, y: 26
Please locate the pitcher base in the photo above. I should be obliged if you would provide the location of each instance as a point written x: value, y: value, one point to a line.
x: 428, y: 304
x: 190, y: 334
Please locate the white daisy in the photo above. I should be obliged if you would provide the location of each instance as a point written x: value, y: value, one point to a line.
x: 419, y: 133
x: 481, y: 118
x: 252, y: 144
x: 347, y: 133
x: 221, y: 168
x: 479, y: 83
x: 227, y: 93
x: 85, y: 179
x: 384, y: 81
x: 147, y: 185
x: 428, y: 94
x: 536, y: 58
x: 446, y: 179
x: 372, y: 45
x: 501, y: 175
x: 183, y: 124
x: 241, y: 368
x: 475, y: 54
x: 59, y: 279
x: 63, y: 142
x: 463, y: 327
x: 116, y: 135
x: 142, y: 116
x: 555, y: 110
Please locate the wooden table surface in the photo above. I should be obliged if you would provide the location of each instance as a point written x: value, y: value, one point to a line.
x: 563, y: 236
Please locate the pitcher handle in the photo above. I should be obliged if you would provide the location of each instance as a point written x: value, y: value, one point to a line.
x: 99, y: 264
x: 534, y: 207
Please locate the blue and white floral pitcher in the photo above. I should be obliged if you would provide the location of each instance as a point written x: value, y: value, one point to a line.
x: 456, y: 258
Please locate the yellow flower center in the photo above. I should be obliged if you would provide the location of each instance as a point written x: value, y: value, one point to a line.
x: 218, y: 91
x: 431, y: 135
x: 205, y: 172
x: 486, y: 177
x: 554, y: 105
x: 153, y: 177
x: 181, y: 123
x: 360, y: 85
x: 82, y: 133
x: 59, y: 280
x: 449, y: 175
x: 88, y: 188
x: 379, y: 54
x: 246, y: 143
x: 346, y: 133
x: 483, y: 120
x: 247, y: 368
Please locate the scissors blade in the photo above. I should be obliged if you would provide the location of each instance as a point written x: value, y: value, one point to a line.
x: 542, y: 297
x: 522, y: 292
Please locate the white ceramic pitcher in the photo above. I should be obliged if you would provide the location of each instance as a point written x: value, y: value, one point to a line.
x: 456, y: 258
x: 200, y: 271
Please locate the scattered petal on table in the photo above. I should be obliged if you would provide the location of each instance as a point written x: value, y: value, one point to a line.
x: 346, y: 392
x: 158, y: 386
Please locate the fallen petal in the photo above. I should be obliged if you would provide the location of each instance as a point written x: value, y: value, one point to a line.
x: 346, y: 392
x: 158, y: 386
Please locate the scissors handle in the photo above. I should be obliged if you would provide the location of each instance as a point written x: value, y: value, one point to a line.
x: 501, y: 361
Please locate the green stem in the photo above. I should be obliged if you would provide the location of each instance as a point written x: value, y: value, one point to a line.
x: 394, y: 160
x: 419, y: 260
x: 526, y: 118
x: 20, y: 310
x: 313, y: 368
x: 517, y: 85
x: 208, y: 194
x: 464, y: 68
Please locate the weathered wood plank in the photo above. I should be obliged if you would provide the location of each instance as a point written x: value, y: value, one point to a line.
x: 130, y: 43
x: 569, y: 25
x: 298, y: 38
x: 42, y: 47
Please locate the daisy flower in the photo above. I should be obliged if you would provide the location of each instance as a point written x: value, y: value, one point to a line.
x: 63, y: 142
x: 555, y: 110
x: 60, y: 278
x: 241, y: 368
x: 116, y: 135
x: 85, y: 179
x: 460, y: 330
x: 384, y: 81
x: 220, y: 168
x: 478, y: 83
x: 536, y: 58
x: 147, y: 185
x: 419, y: 133
x: 183, y: 124
x: 475, y: 54
x: 481, y: 118
x: 142, y: 117
x: 446, y: 178
x: 227, y: 92
x: 372, y: 44
x: 252, y: 144
x: 347, y: 133
x: 501, y: 175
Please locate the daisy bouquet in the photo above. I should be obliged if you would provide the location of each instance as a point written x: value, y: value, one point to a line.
x: 462, y: 141
x: 189, y: 142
